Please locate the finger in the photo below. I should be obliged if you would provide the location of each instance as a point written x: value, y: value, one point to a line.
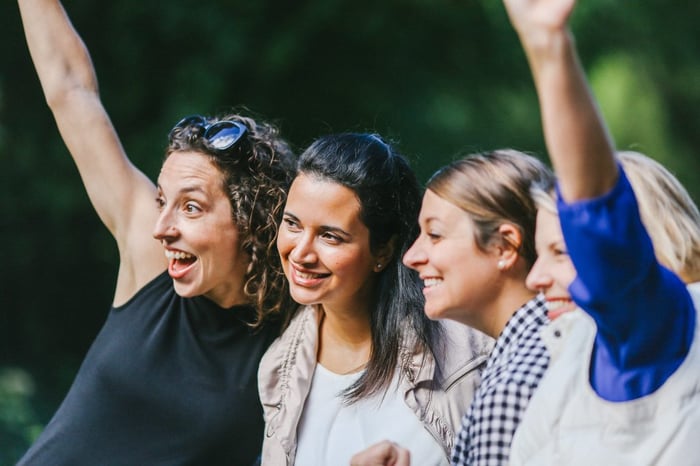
x: 402, y: 457
x: 384, y: 453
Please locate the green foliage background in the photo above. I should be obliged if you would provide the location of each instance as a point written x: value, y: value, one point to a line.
x: 439, y: 78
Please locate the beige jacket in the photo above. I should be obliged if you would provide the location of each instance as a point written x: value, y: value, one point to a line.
x: 438, y: 395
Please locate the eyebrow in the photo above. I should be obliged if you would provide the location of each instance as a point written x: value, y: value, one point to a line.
x: 429, y: 220
x: 323, y: 228
x: 186, y: 189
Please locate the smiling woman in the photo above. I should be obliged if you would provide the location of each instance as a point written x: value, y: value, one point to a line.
x: 360, y: 361
x: 474, y: 251
x: 171, y: 377
x: 325, y: 255
x: 623, y: 384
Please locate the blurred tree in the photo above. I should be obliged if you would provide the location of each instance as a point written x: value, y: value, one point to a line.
x: 439, y: 77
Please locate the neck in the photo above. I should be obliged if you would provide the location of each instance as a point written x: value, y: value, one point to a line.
x: 345, y: 341
x: 508, y: 302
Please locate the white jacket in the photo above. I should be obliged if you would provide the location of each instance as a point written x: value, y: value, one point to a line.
x: 567, y: 423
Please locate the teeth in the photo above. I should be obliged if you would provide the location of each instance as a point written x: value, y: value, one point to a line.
x: 307, y: 276
x: 554, y: 305
x: 177, y: 255
x: 430, y: 282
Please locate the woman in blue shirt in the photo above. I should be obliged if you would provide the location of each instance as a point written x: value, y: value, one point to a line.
x: 622, y: 386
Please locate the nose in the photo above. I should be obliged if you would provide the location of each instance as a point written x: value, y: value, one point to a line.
x: 165, y: 226
x: 415, y: 255
x: 538, y: 279
x: 302, y: 249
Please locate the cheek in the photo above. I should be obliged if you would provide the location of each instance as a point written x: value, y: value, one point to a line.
x: 453, y: 260
x: 564, y: 275
x: 284, y: 245
x: 348, y: 264
x: 569, y: 276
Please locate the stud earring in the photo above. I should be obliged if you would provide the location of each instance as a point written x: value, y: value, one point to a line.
x: 501, y: 264
x: 379, y: 265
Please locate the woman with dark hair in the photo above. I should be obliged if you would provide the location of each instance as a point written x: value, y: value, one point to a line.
x: 171, y: 377
x: 360, y: 361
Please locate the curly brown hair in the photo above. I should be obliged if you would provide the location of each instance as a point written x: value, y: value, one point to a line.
x: 258, y: 170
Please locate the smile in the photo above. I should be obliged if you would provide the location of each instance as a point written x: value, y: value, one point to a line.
x: 557, y: 307
x: 306, y: 278
x: 177, y: 255
x: 432, y: 282
x: 308, y: 275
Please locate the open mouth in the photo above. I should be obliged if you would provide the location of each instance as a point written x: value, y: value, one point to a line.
x: 179, y: 262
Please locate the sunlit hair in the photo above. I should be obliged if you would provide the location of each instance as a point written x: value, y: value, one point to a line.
x: 389, y: 197
x: 257, y: 172
x: 493, y: 188
x: 544, y: 199
x: 668, y: 213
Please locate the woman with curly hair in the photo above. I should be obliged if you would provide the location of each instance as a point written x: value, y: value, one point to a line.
x: 171, y: 377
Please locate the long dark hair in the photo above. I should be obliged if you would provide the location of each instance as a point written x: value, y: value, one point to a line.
x: 389, y: 197
x: 257, y: 172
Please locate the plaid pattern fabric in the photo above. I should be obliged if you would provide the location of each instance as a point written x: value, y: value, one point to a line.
x: 514, y: 369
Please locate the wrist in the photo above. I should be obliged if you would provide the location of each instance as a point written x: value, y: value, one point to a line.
x: 545, y: 44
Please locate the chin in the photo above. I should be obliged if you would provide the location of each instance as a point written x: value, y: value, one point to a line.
x: 303, y: 298
x: 184, y: 291
x: 434, y: 314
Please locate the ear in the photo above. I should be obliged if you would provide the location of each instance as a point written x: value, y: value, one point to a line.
x: 509, y: 249
x: 384, y: 254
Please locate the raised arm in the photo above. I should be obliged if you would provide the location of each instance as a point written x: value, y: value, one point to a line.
x: 122, y: 196
x: 619, y: 282
x: 579, y: 146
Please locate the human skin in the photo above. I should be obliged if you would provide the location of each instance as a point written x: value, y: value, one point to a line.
x: 196, y: 229
x: 553, y: 271
x: 325, y: 253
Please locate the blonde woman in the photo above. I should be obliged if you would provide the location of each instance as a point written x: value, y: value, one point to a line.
x: 623, y: 385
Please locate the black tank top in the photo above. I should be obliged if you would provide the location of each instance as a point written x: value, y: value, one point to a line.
x: 168, y: 381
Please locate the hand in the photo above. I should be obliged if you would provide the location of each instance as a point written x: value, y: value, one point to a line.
x: 384, y: 453
x: 528, y: 16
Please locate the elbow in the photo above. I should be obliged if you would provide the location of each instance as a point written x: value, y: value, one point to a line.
x: 68, y: 89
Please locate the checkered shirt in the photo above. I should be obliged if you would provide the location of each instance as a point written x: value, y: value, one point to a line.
x: 513, y: 371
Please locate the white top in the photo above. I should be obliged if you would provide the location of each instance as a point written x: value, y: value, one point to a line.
x: 567, y: 423
x: 330, y: 432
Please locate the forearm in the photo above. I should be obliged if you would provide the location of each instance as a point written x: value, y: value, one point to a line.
x: 644, y: 314
x: 118, y: 191
x: 59, y: 55
x: 577, y: 140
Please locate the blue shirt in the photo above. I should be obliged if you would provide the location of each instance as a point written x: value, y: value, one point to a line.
x: 643, y: 311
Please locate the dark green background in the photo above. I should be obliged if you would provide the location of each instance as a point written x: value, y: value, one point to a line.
x: 439, y: 78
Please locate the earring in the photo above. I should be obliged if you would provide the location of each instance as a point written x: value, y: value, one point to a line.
x: 501, y: 264
x: 379, y: 265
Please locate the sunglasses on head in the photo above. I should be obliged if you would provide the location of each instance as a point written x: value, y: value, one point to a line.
x: 219, y: 136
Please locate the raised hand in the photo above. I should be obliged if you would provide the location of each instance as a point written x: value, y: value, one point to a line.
x: 579, y: 146
x: 539, y: 16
